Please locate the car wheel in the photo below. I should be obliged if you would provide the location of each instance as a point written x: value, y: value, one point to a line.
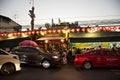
x: 46, y: 64
x: 7, y: 69
x: 87, y: 65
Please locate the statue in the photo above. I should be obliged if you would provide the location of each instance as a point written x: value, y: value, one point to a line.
x: 32, y: 16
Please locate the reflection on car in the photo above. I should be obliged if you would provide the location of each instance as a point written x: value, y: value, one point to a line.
x: 9, y: 63
x: 34, y: 55
x: 97, y: 58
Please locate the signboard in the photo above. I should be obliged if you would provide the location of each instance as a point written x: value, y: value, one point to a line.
x: 92, y: 45
x: 104, y: 44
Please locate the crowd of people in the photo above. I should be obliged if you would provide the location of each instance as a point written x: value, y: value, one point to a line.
x: 69, y: 54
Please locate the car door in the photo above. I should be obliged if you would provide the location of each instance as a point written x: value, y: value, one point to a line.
x: 31, y: 54
x: 118, y: 57
x: 111, y: 59
x: 20, y: 51
x: 97, y: 58
x: 34, y: 54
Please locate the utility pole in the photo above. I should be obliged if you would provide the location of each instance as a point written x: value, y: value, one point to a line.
x: 32, y: 16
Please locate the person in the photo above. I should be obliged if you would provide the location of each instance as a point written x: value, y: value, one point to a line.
x: 99, y: 47
x: 69, y: 56
x: 73, y: 53
x: 61, y: 52
x: 78, y: 51
x: 65, y: 57
x: 114, y: 48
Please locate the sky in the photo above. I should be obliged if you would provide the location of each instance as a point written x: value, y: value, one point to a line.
x: 66, y: 10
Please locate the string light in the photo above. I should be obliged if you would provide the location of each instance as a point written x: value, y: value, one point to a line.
x: 43, y: 32
x: 78, y: 30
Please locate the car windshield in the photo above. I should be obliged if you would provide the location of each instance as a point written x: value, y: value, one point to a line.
x: 29, y: 49
x: 41, y: 50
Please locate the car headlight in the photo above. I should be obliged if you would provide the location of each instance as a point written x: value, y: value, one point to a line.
x: 54, y: 56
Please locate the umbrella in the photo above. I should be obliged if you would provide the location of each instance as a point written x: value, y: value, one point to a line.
x: 28, y: 43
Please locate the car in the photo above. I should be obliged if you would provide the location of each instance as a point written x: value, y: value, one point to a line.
x: 97, y: 58
x: 36, y: 56
x: 9, y: 63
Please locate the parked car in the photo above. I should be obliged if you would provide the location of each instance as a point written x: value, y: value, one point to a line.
x: 9, y: 63
x: 97, y: 58
x: 34, y: 55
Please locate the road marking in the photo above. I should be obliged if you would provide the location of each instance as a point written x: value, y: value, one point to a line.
x: 116, y: 71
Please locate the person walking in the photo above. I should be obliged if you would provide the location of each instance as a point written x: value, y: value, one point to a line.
x: 114, y: 48
x: 69, y: 56
x: 73, y: 53
x: 65, y: 57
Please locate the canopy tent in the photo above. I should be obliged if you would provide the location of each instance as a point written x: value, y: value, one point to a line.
x: 51, y: 38
x: 28, y: 43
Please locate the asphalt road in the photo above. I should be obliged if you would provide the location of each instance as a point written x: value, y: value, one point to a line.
x: 66, y: 72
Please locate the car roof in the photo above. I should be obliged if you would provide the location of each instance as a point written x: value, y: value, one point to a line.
x: 103, y: 49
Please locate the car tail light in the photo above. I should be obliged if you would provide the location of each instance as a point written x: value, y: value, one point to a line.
x: 79, y: 58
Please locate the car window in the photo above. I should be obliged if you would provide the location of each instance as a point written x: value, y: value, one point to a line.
x: 108, y: 53
x: 33, y: 50
x: 27, y: 50
x: 19, y: 49
x: 96, y: 52
x: 3, y: 53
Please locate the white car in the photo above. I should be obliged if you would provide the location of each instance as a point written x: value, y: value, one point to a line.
x: 9, y: 63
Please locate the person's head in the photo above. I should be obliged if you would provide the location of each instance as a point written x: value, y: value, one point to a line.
x: 99, y: 46
x: 73, y: 47
x: 114, y: 44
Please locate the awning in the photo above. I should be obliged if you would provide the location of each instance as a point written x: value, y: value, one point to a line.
x: 94, y: 35
x: 51, y: 38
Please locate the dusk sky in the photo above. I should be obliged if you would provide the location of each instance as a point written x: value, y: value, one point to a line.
x: 66, y: 10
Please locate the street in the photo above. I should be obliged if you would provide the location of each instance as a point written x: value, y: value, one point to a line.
x: 66, y: 72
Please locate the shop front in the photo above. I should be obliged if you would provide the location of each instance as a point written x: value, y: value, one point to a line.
x: 91, y: 40
x: 52, y: 43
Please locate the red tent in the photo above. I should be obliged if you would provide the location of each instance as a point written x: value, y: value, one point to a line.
x: 28, y: 43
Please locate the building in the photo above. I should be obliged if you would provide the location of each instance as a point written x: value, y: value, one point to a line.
x: 8, y: 25
x: 96, y: 33
x: 88, y: 40
x: 7, y: 28
x: 100, y: 34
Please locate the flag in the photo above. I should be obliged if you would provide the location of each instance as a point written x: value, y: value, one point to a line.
x: 52, y: 22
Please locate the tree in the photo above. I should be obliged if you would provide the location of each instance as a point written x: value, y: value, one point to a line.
x: 47, y: 25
